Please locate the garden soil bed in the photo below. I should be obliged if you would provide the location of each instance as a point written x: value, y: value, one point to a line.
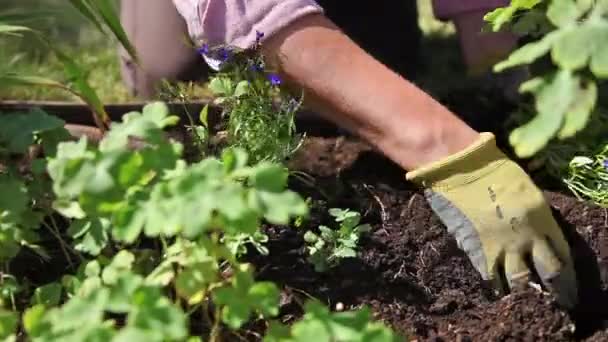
x: 411, y: 273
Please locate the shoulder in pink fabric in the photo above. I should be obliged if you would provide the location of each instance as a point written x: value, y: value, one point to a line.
x: 235, y: 22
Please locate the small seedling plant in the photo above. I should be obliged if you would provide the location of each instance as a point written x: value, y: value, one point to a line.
x: 259, y: 113
x: 327, y: 248
x: 588, y: 177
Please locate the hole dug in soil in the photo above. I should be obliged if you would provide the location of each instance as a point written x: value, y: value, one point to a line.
x: 411, y: 272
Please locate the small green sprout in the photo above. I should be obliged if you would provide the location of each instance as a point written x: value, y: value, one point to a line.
x: 588, y: 177
x: 330, y: 246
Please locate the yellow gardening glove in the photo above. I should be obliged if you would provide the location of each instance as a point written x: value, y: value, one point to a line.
x: 499, y: 218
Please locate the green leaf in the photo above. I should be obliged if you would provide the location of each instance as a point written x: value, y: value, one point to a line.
x: 599, y: 58
x: 131, y: 334
x: 563, y: 12
x: 122, y: 291
x: 529, y: 52
x: 244, y: 297
x: 104, y: 9
x: 269, y: 177
x: 281, y: 207
x: 265, y: 295
x: 191, y: 282
x: 310, y: 237
x: 581, y: 161
x: 573, y: 49
x: 579, y: 111
x: 9, y: 287
x: 502, y: 15
x: 553, y: 100
x: 151, y: 311
x: 147, y: 126
x: 80, y: 85
x: 319, y: 324
x: 13, y: 199
x: 162, y: 275
x: 92, y: 269
x: 93, y: 235
x: 277, y: 332
x: 18, y: 130
x: 242, y: 88
x: 234, y: 159
x: 33, y: 320
x: 221, y: 86
x: 204, y: 116
x: 8, y: 323
x: 121, y: 263
x: 47, y: 295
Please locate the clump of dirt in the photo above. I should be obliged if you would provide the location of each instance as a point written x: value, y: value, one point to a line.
x: 410, y: 270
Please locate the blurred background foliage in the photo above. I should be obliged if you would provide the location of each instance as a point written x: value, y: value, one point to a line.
x: 72, y: 33
x: 97, y: 53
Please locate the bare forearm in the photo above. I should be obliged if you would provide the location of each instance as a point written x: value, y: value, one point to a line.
x: 352, y: 89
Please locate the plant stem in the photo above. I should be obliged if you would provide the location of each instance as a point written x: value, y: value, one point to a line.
x: 62, y: 244
x: 215, y: 330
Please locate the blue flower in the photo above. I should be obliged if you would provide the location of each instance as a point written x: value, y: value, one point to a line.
x: 605, y: 164
x: 275, y: 80
x: 203, y: 50
x: 258, y: 36
x: 256, y: 67
x: 224, y: 54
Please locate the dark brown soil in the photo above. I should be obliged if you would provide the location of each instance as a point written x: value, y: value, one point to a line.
x: 411, y: 272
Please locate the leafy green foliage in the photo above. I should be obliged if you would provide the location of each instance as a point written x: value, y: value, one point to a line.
x: 321, y: 325
x: 260, y: 115
x: 576, y: 45
x: 134, y: 186
x: 244, y: 296
x: 503, y: 15
x: 103, y: 13
x: 588, y: 177
x: 330, y: 246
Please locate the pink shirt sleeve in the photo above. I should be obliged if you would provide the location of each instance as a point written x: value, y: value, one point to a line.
x: 235, y: 22
x: 447, y: 9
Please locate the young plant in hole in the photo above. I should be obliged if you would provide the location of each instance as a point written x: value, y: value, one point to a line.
x: 260, y: 114
x: 329, y: 247
x: 588, y: 177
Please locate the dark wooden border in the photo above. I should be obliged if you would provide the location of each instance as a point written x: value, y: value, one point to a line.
x: 76, y: 113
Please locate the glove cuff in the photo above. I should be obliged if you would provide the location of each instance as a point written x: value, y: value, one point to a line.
x: 466, y: 166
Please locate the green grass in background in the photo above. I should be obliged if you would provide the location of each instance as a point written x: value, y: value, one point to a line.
x: 98, y: 54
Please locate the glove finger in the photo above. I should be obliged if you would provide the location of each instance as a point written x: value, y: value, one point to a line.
x: 516, y: 271
x: 558, y: 277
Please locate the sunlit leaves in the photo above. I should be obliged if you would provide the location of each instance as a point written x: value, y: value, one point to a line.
x: 563, y: 103
x: 8, y: 323
x: 103, y: 12
x: 329, y: 247
x: 321, y: 325
x: 18, y: 131
x: 133, y: 189
x: 153, y: 313
x: 502, y: 15
x: 564, y: 99
x: 245, y: 296
x: 47, y: 295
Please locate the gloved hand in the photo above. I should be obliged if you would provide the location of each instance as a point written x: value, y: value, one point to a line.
x: 499, y: 218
